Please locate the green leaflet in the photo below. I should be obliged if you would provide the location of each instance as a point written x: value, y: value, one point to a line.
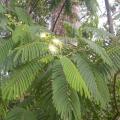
x: 22, y: 15
x: 114, y: 53
x: 65, y: 99
x: 70, y: 30
x: 99, y: 51
x: 55, y: 3
x: 92, y: 6
x: 87, y: 73
x: 20, y: 80
x: 103, y: 89
x: 91, y: 80
x: 22, y: 34
x: 73, y: 77
x: 31, y: 51
x: 4, y: 49
x: 2, y: 8
x: 20, y: 114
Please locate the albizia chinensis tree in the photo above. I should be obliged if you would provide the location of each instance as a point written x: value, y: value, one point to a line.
x: 50, y: 77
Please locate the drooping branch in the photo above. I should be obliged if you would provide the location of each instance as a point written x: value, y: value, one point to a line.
x: 57, y: 18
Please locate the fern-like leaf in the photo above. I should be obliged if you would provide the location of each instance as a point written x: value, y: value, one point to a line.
x: 114, y: 53
x: 20, y: 114
x: 99, y: 51
x: 73, y: 77
x: 5, y: 47
x: 87, y: 73
x: 103, y: 89
x: 22, y: 15
x: 20, y: 80
x: 65, y: 99
x: 30, y: 51
x: 22, y: 34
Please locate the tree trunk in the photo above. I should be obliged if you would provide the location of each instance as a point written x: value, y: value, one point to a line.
x: 109, y: 17
x: 58, y: 17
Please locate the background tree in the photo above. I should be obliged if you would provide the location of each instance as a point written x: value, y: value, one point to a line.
x: 109, y: 17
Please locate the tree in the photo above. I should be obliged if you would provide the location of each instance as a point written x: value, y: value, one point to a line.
x: 109, y: 17
x: 52, y: 78
x: 67, y: 11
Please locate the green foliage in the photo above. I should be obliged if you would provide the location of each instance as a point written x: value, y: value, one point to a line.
x: 92, y: 6
x: 70, y: 30
x: 2, y: 8
x: 102, y: 88
x: 22, y: 34
x: 73, y: 77
x: 68, y: 6
x: 20, y: 114
x: 55, y: 3
x: 30, y: 51
x: 54, y: 79
x: 90, y: 78
x: 81, y: 38
x: 22, y: 15
x: 99, y: 51
x: 66, y: 100
x: 20, y: 81
x: 114, y: 54
x: 4, y: 49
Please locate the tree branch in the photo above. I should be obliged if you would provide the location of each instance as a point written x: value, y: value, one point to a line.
x: 58, y: 16
x: 109, y: 17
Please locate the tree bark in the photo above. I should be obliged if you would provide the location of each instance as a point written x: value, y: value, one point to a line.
x: 54, y: 24
x: 58, y: 17
x: 109, y: 17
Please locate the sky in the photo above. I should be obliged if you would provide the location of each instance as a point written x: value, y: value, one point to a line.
x: 103, y: 19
